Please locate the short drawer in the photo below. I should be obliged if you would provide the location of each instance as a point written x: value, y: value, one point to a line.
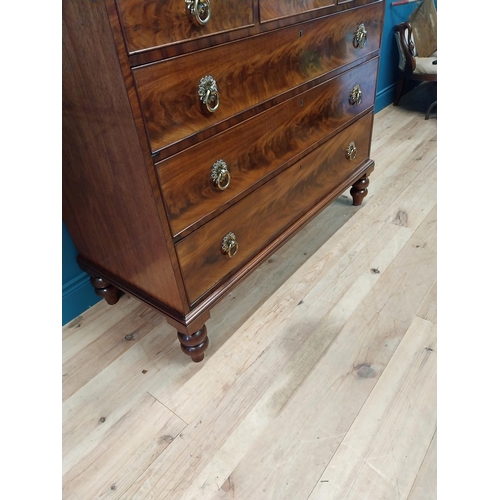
x: 195, y: 184
x: 267, y: 211
x: 271, y: 10
x: 148, y: 24
x: 248, y: 72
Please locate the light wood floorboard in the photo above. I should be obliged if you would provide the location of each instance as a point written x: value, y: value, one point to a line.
x: 425, y: 485
x: 320, y: 378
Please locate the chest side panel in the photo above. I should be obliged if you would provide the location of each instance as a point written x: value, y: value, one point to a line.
x: 108, y: 202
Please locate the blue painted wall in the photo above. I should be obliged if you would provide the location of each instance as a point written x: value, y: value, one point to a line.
x: 77, y: 292
x: 78, y: 295
x: 387, y: 76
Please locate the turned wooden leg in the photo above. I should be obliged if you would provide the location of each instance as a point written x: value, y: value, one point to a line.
x: 359, y: 190
x: 194, y: 345
x: 105, y: 289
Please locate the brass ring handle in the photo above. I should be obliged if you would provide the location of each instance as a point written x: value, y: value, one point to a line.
x: 200, y: 9
x: 360, y: 36
x: 209, y: 93
x: 351, y: 151
x: 229, y: 245
x: 220, y: 175
x: 211, y: 96
x: 355, y: 95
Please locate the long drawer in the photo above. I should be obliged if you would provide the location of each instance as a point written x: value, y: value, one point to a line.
x: 267, y: 211
x: 258, y: 146
x: 151, y: 23
x: 248, y: 72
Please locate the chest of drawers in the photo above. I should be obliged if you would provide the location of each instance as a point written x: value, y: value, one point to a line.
x: 199, y: 135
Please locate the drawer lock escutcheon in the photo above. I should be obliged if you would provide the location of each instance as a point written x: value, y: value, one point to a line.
x: 229, y: 245
x: 360, y: 35
x: 208, y: 93
x: 355, y: 96
x: 351, y: 151
x: 200, y: 9
x: 220, y: 175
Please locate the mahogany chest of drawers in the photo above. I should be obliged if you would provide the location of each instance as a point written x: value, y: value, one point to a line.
x: 199, y: 135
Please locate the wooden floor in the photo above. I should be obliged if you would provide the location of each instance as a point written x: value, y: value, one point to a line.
x: 320, y: 378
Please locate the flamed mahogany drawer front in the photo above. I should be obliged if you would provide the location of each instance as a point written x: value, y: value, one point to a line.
x: 272, y: 9
x: 153, y: 23
x: 247, y: 72
x: 208, y: 254
x: 194, y: 183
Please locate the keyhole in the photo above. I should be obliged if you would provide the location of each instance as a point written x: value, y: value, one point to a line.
x: 300, y: 34
x: 301, y: 102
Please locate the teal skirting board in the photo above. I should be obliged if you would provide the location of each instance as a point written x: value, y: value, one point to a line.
x: 77, y: 292
x: 77, y: 296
